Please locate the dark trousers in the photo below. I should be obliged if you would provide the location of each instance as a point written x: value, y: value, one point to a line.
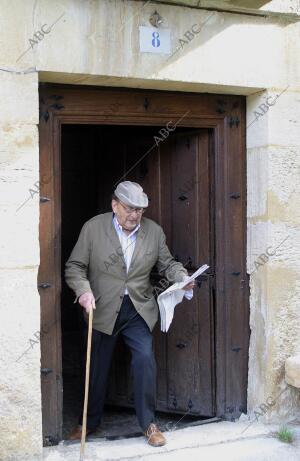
x: 138, y: 338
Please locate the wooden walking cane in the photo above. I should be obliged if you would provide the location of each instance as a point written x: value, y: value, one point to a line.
x: 86, y: 387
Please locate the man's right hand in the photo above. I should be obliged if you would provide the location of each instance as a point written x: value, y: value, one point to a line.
x: 87, y: 300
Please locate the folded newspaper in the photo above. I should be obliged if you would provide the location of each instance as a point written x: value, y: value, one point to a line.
x: 172, y: 296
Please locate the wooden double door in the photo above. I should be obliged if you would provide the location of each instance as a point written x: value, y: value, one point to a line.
x: 187, y: 151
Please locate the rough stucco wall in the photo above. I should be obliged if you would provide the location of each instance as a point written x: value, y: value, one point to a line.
x: 233, y: 53
x: 223, y: 53
x: 274, y: 222
x: 20, y: 409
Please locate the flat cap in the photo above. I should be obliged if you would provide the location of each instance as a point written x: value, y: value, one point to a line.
x: 131, y: 193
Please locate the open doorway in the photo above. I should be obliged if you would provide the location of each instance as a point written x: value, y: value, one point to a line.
x: 175, y: 173
x: 188, y: 152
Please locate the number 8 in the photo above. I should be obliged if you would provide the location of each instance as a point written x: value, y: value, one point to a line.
x: 155, y: 41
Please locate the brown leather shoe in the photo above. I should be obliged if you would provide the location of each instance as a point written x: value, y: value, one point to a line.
x: 154, y: 436
x: 76, y: 432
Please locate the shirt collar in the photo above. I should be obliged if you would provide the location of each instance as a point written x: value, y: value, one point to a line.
x: 121, y: 228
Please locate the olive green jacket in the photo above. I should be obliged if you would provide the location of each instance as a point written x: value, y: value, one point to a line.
x: 97, y: 264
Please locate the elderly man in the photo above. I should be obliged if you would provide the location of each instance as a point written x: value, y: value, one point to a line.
x: 109, y: 270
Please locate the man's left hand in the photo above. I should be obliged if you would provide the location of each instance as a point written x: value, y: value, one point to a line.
x: 189, y: 286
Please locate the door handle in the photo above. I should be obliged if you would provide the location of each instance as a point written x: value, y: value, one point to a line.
x: 204, y: 277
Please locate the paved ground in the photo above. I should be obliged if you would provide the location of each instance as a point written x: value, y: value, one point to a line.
x: 217, y: 441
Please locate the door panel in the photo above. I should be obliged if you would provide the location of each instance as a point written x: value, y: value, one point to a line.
x: 190, y: 365
x: 175, y: 175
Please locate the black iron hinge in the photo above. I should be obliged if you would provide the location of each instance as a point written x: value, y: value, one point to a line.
x: 45, y: 106
x: 234, y: 120
x: 221, y: 103
x: 44, y: 199
x: 46, y: 371
x: 235, y: 195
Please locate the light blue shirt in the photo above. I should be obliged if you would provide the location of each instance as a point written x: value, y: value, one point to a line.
x: 127, y: 242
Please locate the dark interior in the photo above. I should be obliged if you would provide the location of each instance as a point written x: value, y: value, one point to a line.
x: 93, y: 159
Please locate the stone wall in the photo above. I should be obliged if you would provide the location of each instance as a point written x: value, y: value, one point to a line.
x: 20, y: 409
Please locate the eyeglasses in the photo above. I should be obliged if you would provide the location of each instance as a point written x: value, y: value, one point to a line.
x: 130, y: 210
